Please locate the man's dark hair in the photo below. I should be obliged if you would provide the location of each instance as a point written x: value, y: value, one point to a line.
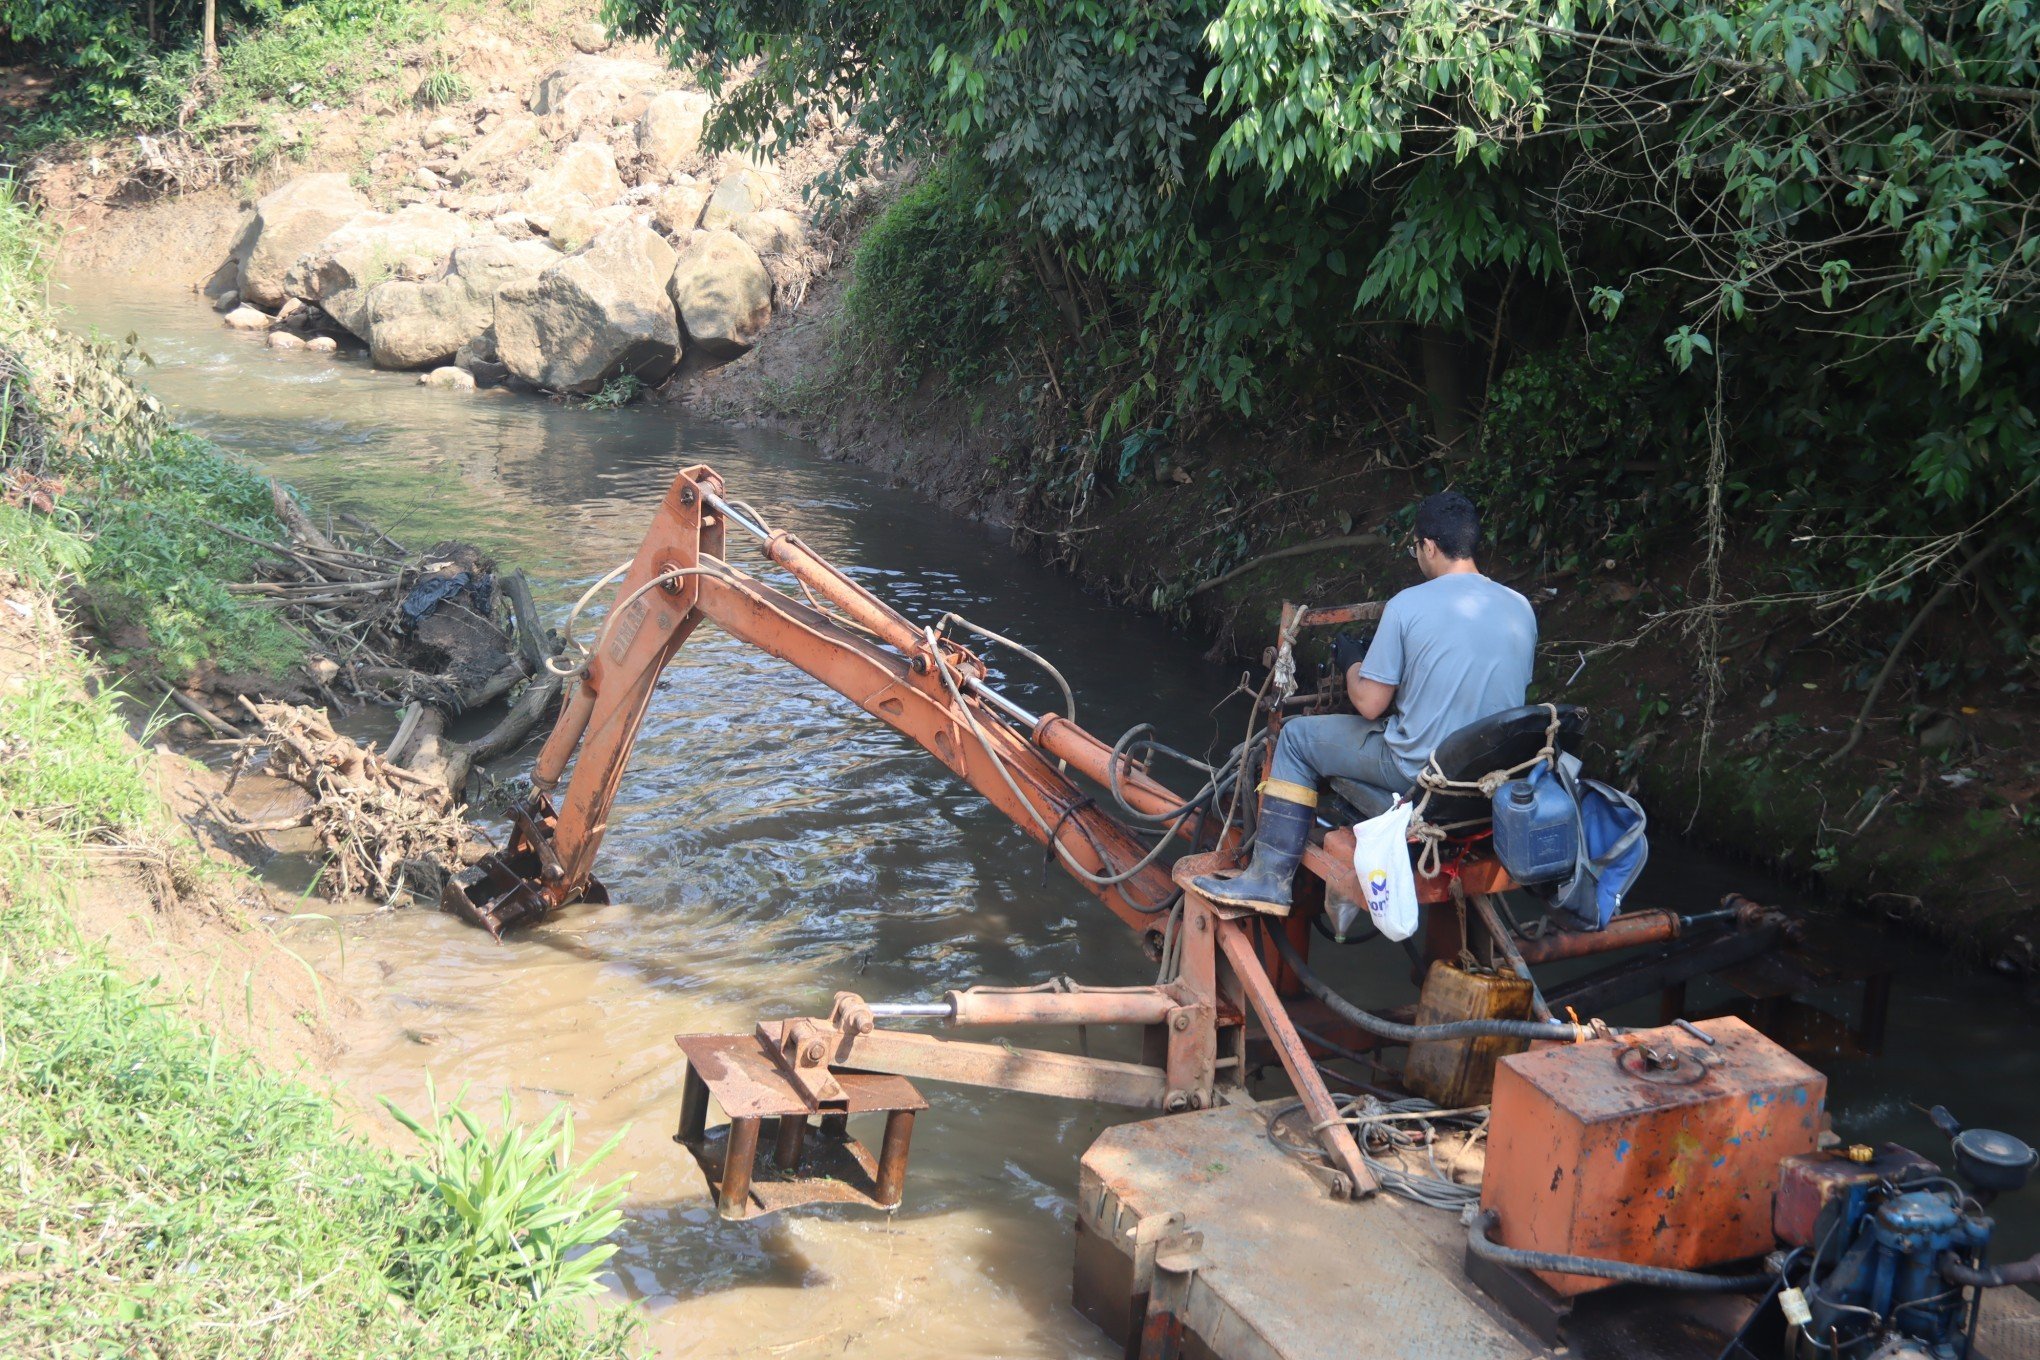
x: 1449, y: 520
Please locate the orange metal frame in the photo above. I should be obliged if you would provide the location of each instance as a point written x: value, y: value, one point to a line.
x: 860, y: 647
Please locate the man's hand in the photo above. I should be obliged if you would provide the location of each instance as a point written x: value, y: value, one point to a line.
x: 1348, y: 651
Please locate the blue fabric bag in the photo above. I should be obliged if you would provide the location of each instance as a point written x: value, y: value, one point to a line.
x: 1612, y: 848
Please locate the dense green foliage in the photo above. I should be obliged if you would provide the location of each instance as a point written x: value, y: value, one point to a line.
x: 1809, y: 222
x: 294, y: 53
x: 934, y: 288
x: 149, y: 500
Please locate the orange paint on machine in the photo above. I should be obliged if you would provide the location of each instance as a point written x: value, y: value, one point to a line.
x: 1656, y: 1148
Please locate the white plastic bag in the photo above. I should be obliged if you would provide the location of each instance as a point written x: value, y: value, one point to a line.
x: 1381, y: 860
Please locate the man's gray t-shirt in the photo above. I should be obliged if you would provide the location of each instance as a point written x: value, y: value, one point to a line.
x: 1457, y: 648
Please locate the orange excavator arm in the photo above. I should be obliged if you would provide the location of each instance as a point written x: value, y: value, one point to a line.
x: 912, y: 677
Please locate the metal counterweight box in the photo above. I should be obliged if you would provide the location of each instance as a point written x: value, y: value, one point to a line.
x: 1653, y: 1148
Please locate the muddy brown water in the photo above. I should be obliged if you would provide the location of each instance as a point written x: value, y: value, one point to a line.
x: 772, y: 844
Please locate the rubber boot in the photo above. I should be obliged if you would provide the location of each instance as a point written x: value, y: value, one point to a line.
x: 1278, y: 847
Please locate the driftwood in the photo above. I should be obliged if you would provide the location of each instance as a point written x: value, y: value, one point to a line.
x: 386, y: 830
x: 390, y: 821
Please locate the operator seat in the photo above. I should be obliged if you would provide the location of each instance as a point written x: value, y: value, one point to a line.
x: 1499, y: 741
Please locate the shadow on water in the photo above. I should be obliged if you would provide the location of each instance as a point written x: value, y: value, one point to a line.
x: 772, y: 845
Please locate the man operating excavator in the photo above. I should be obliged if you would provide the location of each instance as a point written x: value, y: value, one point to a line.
x: 1448, y: 652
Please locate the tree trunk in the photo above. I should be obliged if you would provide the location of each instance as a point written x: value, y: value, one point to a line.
x: 1446, y: 388
x: 152, y: 23
x: 211, y: 46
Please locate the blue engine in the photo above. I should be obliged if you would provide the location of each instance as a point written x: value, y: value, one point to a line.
x: 1887, y: 1281
x: 1898, y: 1267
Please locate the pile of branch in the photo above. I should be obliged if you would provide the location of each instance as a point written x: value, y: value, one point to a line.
x: 437, y: 632
x: 346, y: 594
x: 386, y: 830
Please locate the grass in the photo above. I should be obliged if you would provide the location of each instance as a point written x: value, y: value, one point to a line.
x: 161, y: 1194
x: 165, y: 1196
x: 323, y: 52
x: 159, y: 567
x: 139, y: 498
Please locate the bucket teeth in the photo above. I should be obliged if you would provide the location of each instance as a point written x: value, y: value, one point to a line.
x: 498, y: 893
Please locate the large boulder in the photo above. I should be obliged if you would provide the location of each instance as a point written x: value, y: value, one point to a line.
x: 425, y: 325
x: 669, y: 133
x: 374, y: 248
x: 509, y: 140
x: 677, y: 209
x: 586, y: 170
x: 600, y: 313
x: 740, y: 194
x: 591, y: 91
x: 775, y: 231
x: 723, y: 294
x: 289, y: 221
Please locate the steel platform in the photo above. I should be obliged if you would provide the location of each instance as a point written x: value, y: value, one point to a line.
x: 1253, y: 1261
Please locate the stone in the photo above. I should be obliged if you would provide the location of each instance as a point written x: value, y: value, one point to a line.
x: 669, y: 133
x: 285, y: 340
x: 374, y: 248
x: 480, y: 349
x: 514, y: 226
x: 227, y: 301
x: 589, y: 36
x: 511, y: 139
x: 492, y: 62
x: 677, y: 211
x: 439, y: 132
x: 599, y: 313
x: 424, y: 178
x: 449, y: 379
x: 593, y: 91
x: 322, y: 344
x: 245, y: 318
x: 738, y: 195
x: 425, y: 324
x: 290, y: 220
x: 585, y: 168
x: 774, y: 231
x: 722, y: 293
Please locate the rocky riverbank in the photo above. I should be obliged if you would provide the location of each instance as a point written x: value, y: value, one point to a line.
x: 564, y: 233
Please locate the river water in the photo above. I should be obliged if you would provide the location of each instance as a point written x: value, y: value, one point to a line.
x: 772, y: 844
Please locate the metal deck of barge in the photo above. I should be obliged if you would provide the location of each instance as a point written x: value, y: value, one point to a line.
x: 1198, y: 1222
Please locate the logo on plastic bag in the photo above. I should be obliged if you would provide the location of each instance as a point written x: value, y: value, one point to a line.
x: 1377, y: 893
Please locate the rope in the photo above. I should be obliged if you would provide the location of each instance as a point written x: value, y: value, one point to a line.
x: 1389, y: 1134
x: 1433, y: 780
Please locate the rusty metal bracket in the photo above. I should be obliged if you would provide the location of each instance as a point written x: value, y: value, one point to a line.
x: 1163, y: 1331
x: 808, y: 1161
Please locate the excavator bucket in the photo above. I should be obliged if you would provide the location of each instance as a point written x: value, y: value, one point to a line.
x: 523, y: 881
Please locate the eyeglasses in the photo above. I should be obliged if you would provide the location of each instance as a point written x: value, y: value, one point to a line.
x: 1413, y: 547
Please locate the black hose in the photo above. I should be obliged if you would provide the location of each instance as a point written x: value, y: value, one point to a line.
x: 1990, y: 1277
x: 1409, y: 1034
x: 1627, y: 1272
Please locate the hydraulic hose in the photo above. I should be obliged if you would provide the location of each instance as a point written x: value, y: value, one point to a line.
x: 1626, y: 1272
x: 1409, y: 1034
x: 1990, y: 1277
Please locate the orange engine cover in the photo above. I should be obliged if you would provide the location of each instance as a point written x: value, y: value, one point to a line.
x: 1652, y: 1148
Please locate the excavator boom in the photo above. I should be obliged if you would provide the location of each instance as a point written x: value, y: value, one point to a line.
x: 912, y: 677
